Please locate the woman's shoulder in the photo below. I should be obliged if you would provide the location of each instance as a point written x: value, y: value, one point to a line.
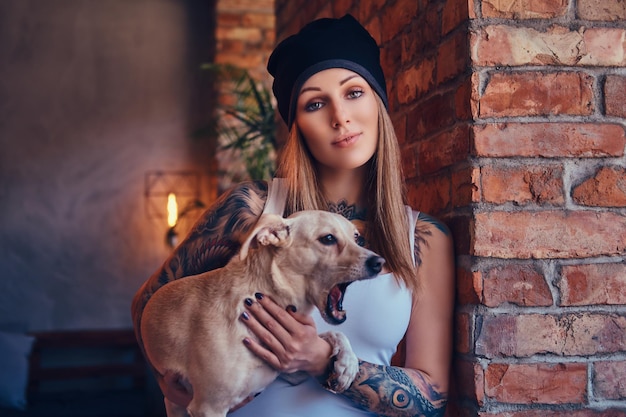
x: 431, y: 234
x: 235, y: 210
x: 248, y: 196
x: 430, y: 223
x: 247, y: 192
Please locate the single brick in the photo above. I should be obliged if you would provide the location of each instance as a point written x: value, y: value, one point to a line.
x: 549, y: 234
x: 524, y: 9
x: 549, y: 140
x: 537, y: 383
x: 607, y: 188
x: 522, y: 185
x: 604, y: 46
x: 587, y: 412
x: 522, y: 285
x: 537, y: 94
x: 609, y: 380
x: 606, y: 10
x: 249, y: 35
x: 615, y: 95
x: 558, y: 45
x: 565, y: 335
x: 593, y: 284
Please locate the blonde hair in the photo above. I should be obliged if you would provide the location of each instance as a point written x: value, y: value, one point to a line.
x: 386, y: 233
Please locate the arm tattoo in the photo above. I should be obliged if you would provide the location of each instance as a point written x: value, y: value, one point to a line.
x: 433, y: 221
x: 423, y: 230
x: 395, y: 392
x: 214, y: 239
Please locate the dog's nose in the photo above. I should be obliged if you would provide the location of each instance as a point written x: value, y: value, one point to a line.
x: 374, y: 264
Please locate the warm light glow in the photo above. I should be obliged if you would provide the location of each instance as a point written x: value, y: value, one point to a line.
x: 172, y: 210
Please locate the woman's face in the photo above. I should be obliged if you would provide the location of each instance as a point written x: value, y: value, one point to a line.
x: 337, y: 114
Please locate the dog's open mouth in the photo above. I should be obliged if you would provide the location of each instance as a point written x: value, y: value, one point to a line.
x: 334, y: 304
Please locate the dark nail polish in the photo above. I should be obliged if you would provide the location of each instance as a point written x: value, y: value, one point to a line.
x: 248, y: 301
x: 245, y: 315
x: 258, y: 296
x: 291, y: 308
x: 246, y: 341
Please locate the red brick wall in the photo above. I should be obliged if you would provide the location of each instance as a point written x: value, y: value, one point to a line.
x: 512, y: 119
x: 543, y: 311
x: 245, y: 37
x: 245, y: 34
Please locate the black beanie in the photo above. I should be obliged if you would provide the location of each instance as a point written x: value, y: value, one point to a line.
x: 322, y: 44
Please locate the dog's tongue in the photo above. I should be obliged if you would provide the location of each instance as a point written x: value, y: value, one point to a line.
x: 335, y: 303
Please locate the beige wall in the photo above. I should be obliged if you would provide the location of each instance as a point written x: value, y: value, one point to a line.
x: 93, y: 95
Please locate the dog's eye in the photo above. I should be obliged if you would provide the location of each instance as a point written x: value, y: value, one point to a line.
x: 360, y: 240
x: 328, y: 240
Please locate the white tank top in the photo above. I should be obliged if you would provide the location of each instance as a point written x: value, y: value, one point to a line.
x: 378, y: 313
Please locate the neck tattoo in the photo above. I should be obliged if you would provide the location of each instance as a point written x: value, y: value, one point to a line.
x: 349, y: 211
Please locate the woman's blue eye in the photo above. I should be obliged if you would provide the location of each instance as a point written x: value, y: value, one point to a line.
x: 355, y: 93
x: 313, y: 106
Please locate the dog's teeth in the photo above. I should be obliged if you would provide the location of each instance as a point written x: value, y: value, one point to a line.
x: 334, y: 307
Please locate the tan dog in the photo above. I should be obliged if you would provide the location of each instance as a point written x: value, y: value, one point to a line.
x: 191, y: 326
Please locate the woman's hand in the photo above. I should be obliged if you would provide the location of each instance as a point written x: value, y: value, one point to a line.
x: 288, y: 340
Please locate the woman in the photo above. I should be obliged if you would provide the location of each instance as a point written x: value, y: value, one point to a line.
x: 342, y: 155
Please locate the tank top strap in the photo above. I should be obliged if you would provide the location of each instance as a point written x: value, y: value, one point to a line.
x: 412, y: 216
x: 276, y: 197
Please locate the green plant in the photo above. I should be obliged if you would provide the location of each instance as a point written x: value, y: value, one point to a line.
x: 246, y: 120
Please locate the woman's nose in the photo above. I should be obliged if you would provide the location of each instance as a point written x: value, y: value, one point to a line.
x: 339, y: 116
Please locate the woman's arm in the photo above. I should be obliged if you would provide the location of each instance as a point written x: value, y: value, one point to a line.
x: 420, y: 387
x: 213, y: 240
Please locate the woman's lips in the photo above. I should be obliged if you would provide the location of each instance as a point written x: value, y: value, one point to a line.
x: 346, y: 140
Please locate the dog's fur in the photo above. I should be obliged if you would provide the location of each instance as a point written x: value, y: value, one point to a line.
x: 192, y: 326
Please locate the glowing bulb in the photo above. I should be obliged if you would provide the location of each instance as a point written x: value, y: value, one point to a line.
x: 172, y: 210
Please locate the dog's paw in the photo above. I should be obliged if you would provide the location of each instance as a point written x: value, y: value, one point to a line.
x: 346, y: 364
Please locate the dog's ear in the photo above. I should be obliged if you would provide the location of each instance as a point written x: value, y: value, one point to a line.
x: 271, y: 229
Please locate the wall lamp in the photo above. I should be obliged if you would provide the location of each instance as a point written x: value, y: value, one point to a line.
x: 173, y: 195
x: 174, y: 216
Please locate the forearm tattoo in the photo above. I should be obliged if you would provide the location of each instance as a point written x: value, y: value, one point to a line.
x: 395, y: 392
